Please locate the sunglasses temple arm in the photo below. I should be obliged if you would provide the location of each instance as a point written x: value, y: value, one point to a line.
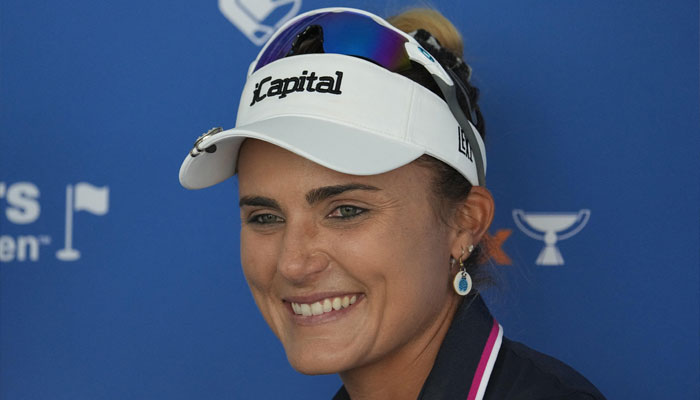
x: 451, y: 98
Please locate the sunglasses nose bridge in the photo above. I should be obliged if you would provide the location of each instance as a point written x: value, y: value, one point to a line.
x: 309, y: 41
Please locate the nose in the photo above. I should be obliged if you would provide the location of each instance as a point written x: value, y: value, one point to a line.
x: 301, y: 260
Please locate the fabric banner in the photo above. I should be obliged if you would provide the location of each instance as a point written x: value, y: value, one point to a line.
x: 115, y: 282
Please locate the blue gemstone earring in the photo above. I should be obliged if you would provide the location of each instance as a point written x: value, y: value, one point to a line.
x: 463, y: 281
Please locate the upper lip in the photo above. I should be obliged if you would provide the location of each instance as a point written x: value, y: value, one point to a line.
x: 314, y: 297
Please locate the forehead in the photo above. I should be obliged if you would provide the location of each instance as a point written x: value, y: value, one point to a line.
x: 264, y: 167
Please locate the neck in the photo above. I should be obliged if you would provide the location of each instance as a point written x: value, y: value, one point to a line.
x: 402, y: 374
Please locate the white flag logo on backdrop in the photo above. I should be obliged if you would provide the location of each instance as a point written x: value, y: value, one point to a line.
x: 91, y: 198
x: 81, y: 197
x: 258, y: 19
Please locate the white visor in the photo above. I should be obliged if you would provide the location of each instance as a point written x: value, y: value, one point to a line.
x: 342, y: 112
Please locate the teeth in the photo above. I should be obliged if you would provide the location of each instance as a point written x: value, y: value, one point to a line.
x: 324, y: 306
x: 305, y: 310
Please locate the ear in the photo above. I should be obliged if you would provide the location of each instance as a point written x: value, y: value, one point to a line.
x: 472, y: 219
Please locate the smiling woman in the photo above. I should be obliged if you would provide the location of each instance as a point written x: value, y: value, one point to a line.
x: 361, y: 171
x: 326, y: 237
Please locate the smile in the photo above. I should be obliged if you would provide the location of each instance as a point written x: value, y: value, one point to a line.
x: 326, y: 305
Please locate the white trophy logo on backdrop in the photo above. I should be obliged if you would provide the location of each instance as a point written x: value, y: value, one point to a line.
x: 81, y: 197
x: 258, y: 19
x: 551, y: 228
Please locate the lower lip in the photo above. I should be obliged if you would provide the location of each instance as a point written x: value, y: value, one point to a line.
x: 324, y: 318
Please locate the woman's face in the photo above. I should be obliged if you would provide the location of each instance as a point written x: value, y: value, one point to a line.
x: 347, y: 270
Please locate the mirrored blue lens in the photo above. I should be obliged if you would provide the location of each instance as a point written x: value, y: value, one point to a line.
x: 346, y: 33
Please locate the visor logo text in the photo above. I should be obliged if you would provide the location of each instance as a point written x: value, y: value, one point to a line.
x: 306, y: 82
x: 464, y: 146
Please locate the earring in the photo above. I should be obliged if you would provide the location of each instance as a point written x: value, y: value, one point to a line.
x: 463, y: 281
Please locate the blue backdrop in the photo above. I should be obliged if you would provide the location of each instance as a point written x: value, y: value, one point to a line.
x: 116, y: 283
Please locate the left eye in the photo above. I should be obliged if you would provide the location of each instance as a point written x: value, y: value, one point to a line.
x: 346, y: 212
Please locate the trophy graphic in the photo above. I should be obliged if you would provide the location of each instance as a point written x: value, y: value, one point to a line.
x: 551, y: 228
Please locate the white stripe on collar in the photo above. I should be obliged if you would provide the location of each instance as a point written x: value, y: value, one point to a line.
x: 486, y: 363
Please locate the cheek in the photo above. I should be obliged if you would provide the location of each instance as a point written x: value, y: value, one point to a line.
x: 400, y: 265
x: 258, y: 261
x: 417, y: 282
x: 417, y: 279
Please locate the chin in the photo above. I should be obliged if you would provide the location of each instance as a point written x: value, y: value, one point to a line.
x: 317, y: 362
x: 313, y: 369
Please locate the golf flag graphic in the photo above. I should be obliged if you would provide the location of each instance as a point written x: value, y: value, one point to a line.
x: 91, y: 198
x: 81, y: 197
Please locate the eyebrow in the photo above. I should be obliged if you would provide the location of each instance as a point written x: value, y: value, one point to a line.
x: 258, y: 201
x: 312, y: 197
x: 322, y: 193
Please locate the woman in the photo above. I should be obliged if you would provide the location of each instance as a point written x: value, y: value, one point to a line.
x: 361, y: 181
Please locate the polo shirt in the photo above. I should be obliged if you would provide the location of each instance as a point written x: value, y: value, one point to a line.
x: 475, y: 362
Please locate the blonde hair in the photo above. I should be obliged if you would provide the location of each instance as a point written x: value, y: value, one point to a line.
x: 432, y: 21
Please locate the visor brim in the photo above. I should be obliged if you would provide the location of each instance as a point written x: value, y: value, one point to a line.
x: 343, y: 148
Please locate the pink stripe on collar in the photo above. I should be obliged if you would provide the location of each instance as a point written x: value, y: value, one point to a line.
x: 488, y: 358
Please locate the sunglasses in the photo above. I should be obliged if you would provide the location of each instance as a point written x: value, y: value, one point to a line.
x: 361, y: 34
